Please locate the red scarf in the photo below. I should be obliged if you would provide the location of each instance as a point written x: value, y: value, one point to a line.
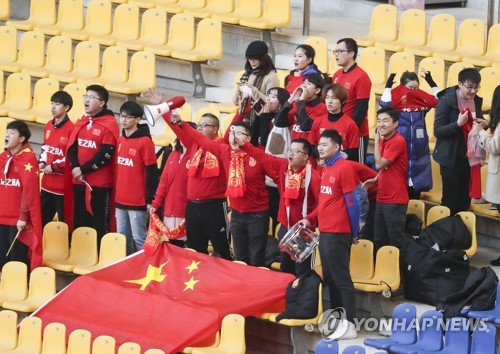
x: 293, y: 184
x: 475, y: 171
x: 158, y: 233
x: 236, y: 185
x: 210, y: 166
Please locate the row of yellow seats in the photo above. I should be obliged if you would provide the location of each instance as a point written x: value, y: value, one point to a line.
x: 441, y: 40
x: 15, y: 294
x: 81, y: 257
x: 30, y: 339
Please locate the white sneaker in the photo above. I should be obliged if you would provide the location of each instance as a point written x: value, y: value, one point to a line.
x: 344, y: 330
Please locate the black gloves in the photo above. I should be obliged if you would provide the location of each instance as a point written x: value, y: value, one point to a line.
x: 390, y: 80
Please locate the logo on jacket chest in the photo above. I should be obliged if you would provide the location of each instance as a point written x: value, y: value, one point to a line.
x: 87, y: 143
x: 10, y: 182
x: 125, y: 161
x: 54, y: 150
x: 326, y: 190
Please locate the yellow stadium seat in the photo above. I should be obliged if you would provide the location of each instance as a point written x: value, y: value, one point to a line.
x: 232, y: 337
x: 86, y: 63
x: 17, y: 93
x: 8, y: 45
x: 129, y: 348
x: 141, y: 77
x: 182, y: 5
x: 492, y: 50
x: 4, y: 121
x: 214, y: 345
x: 42, y: 12
x: 453, y: 70
x: 383, y: 26
x: 372, y: 114
x: 154, y: 351
x: 31, y: 53
x: 83, y: 251
x: 4, y: 10
x: 442, y: 36
x: 40, y: 110
x: 282, y: 74
x: 228, y: 107
x: 42, y: 287
x: 200, y: 112
x: 469, y: 219
x: 119, y: 1
x: 361, y: 261
x: 113, y: 248
x: 125, y: 26
x: 386, y: 276
x: 435, y: 194
x: 79, y: 342
x: 76, y: 91
x: 372, y: 60
x: 13, y: 282
x: 153, y: 31
x: 471, y: 41
x: 437, y: 212
x: 1, y: 90
x: 430, y: 117
x: 54, y: 339
x: 214, y: 7
x: 59, y: 58
x: 320, y: 46
x: 334, y: 67
x: 114, y: 69
x: 69, y: 17
x: 437, y: 67
x: 98, y: 21
x: 412, y: 32
x: 103, y: 345
x: 143, y: 4
x: 8, y: 330
x: 417, y: 207
x: 398, y: 63
x: 484, y: 208
x: 490, y: 78
x: 243, y: 9
x: 30, y: 337
x: 276, y: 13
x: 208, y: 43
x: 180, y: 36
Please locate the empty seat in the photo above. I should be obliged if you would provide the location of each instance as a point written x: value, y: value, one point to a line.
x: 42, y: 12
x: 113, y: 248
x: 214, y: 7
x: 383, y: 26
x: 129, y: 348
x: 232, y: 337
x: 437, y: 67
x: 326, y: 347
x: 40, y: 110
x: 59, y: 58
x: 143, y: 4
x: 4, y: 10
x: 398, y: 63
x: 483, y: 339
x: 492, y: 50
x: 180, y: 36
x: 417, y: 207
x: 436, y: 213
x: 242, y: 9
x: 276, y: 13
x: 31, y: 53
x: 471, y: 41
x: 386, y: 276
x: 456, y: 338
x: 412, y: 32
x: 153, y: 31
x: 125, y: 26
x: 98, y: 21
x: 469, y: 219
x: 208, y: 43
x: 372, y: 60
x: 69, y: 17
x: 182, y: 5
x: 4, y: 121
x: 79, y: 342
x: 114, y: 69
x: 86, y: 63
x: 8, y: 330
x: 490, y: 78
x: 55, y: 241
x: 442, y: 36
x: 320, y: 46
x: 76, y: 91
x: 141, y: 77
x: 361, y: 261
x: 354, y: 349
x: 103, y: 345
x: 13, y: 282
x: 17, y: 94
x: 30, y: 336
x: 54, y: 339
x: 8, y: 45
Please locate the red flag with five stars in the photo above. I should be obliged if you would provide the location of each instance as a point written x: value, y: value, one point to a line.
x: 170, y: 300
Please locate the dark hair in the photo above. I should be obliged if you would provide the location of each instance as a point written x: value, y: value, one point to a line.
x: 22, y: 128
x: 339, y: 92
x: 469, y: 74
x: 310, y: 53
x: 316, y: 79
x: 132, y: 108
x: 213, y: 117
x: 245, y: 125
x: 100, y: 90
x: 177, y: 143
x: 392, y: 112
x: 495, y: 109
x: 408, y: 76
x: 306, y: 145
x: 333, y: 135
x: 265, y: 67
x: 350, y: 45
x: 63, y: 98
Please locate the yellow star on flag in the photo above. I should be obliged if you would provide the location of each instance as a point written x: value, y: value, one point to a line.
x: 152, y: 274
x: 192, y: 266
x: 28, y: 167
x: 190, y: 284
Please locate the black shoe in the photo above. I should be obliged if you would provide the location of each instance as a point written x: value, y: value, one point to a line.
x: 496, y: 262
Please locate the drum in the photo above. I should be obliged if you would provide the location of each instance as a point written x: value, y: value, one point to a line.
x: 299, y: 242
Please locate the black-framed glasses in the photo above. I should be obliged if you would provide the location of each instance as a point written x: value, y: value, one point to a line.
x: 471, y: 87
x: 205, y: 125
x: 238, y: 134
x: 91, y: 97
x: 339, y: 51
x: 123, y: 116
x: 295, y: 151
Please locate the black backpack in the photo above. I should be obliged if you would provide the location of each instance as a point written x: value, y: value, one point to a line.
x: 479, y: 292
x: 449, y: 233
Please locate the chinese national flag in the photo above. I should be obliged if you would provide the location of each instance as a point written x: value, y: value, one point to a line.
x: 173, y: 299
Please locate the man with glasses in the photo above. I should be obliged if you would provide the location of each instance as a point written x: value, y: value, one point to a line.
x: 458, y: 107
x: 358, y: 86
x: 91, y: 150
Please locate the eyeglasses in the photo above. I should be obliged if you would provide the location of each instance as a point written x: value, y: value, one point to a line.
x: 123, y: 116
x: 238, y: 134
x: 91, y: 97
x: 339, y: 51
x: 205, y: 125
x: 471, y: 87
x: 295, y: 151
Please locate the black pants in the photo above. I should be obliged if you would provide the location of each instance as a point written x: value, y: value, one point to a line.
x: 290, y: 266
x: 51, y: 204
x: 390, y: 222
x: 367, y: 231
x: 100, y: 204
x: 207, y: 221
x: 249, y: 232
x: 413, y: 194
x: 19, y: 251
x: 335, y: 254
x: 363, y: 148
x: 274, y: 204
x: 455, y: 182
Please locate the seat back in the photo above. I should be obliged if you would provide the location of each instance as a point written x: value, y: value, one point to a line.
x: 8, y: 44
x: 14, y: 281
x: 469, y: 219
x: 59, y: 54
x: 354, y: 349
x: 103, y: 345
x: 437, y: 212
x: 430, y: 335
x: 18, y: 92
x: 143, y: 69
x: 30, y: 335
x: 83, y: 249
x: 490, y: 77
x: 430, y: 117
x: 483, y: 339
x: 326, y: 347
x: 417, y: 207
x: 372, y: 60
x: 372, y: 114
x: 76, y: 91
x: 437, y: 184
x: 42, y: 12
x: 403, y: 317
x: 43, y: 91
x: 453, y: 70
x: 232, y: 337
x: 320, y: 45
x: 437, y: 67
x: 456, y: 338
x: 401, y: 62
x: 54, y: 339
x: 4, y: 10
x: 493, y: 47
x: 87, y: 60
x: 55, y: 241
x: 8, y: 329
x: 79, y: 342
x: 361, y: 263
x: 31, y: 50
x: 219, y: 6
x: 413, y: 27
x: 42, y: 284
x: 192, y: 4
x: 277, y: 13
x: 248, y: 8
x: 154, y: 27
x: 3, y: 125
x: 181, y: 32
x: 384, y: 22
x: 472, y: 37
x: 114, y: 65
x: 113, y: 248
x: 70, y: 14
x: 387, y: 266
x: 126, y: 22
x: 442, y: 32
x: 209, y: 38
x: 154, y: 351
x: 129, y: 348
x: 99, y: 19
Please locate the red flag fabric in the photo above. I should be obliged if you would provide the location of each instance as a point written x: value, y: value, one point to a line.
x: 173, y: 299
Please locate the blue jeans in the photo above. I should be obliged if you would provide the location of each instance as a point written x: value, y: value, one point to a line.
x: 249, y: 232
x: 133, y: 224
